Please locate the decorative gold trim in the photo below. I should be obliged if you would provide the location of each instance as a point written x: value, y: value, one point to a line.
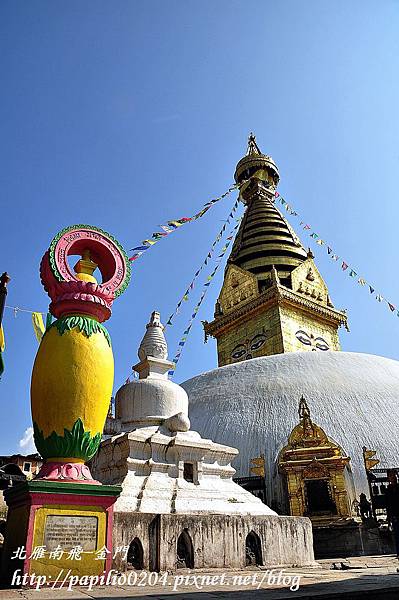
x: 275, y: 295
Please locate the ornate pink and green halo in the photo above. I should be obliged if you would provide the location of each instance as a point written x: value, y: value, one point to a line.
x: 71, y: 295
x: 72, y: 239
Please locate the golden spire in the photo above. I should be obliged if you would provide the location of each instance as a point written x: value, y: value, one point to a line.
x: 258, y: 164
x: 264, y: 238
x: 253, y: 147
x: 304, y: 414
x: 303, y: 409
x: 273, y: 299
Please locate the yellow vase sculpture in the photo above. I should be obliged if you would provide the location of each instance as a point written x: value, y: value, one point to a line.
x: 73, y: 372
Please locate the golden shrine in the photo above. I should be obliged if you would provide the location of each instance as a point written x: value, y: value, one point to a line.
x: 317, y: 472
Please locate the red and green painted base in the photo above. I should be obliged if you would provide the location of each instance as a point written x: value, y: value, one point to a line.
x: 48, y: 520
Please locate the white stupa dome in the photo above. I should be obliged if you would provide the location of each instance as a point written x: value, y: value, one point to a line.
x: 253, y: 406
x: 153, y: 398
x: 149, y: 401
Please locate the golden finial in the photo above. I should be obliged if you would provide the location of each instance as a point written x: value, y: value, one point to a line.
x: 253, y: 147
x: 303, y: 410
x: 85, y: 267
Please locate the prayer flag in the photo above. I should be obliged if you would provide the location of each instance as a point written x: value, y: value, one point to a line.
x: 174, y: 224
x: 139, y: 249
x: 38, y: 325
x: 201, y: 213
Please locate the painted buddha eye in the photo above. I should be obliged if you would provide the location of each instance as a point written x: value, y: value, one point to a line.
x: 321, y: 344
x: 238, y: 352
x: 303, y: 337
x: 257, y: 342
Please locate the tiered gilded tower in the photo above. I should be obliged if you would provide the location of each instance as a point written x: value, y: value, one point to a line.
x: 273, y: 299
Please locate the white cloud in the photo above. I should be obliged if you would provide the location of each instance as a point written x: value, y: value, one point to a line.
x: 26, y: 443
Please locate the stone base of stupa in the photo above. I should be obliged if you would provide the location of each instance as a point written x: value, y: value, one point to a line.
x: 211, y: 541
x: 167, y: 522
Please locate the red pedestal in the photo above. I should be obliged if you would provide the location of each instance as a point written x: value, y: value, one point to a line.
x: 45, y: 515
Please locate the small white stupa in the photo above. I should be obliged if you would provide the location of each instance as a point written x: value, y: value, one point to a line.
x: 163, y: 466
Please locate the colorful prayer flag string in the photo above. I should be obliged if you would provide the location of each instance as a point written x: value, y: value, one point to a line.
x: 209, y: 254
x: 344, y: 265
x: 206, y: 285
x: 175, y: 224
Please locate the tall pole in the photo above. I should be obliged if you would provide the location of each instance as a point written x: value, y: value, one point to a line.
x: 4, y: 280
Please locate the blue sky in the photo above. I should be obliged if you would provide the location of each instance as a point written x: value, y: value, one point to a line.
x: 125, y: 114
